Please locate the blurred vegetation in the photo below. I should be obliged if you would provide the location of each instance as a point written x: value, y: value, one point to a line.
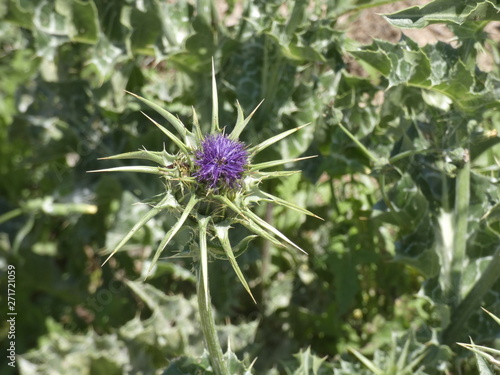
x: 406, y: 180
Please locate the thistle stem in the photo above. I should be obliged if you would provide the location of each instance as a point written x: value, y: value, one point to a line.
x: 460, y: 222
x: 208, y: 327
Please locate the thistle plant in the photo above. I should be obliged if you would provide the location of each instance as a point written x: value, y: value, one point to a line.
x: 211, y: 184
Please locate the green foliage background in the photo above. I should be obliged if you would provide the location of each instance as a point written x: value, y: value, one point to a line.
x: 406, y: 180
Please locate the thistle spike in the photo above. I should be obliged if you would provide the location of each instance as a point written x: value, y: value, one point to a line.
x: 174, y: 121
x: 268, y: 142
x: 172, y: 232
x: 215, y: 104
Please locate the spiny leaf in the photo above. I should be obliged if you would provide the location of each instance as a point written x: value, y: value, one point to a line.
x: 403, y: 356
x: 135, y: 168
x: 358, y: 143
x: 196, y: 128
x: 268, y: 142
x: 222, y: 232
x: 84, y: 26
x: 483, y: 353
x: 176, y: 123
x: 241, y: 246
x: 172, y: 231
x: 215, y: 104
x: 169, y: 134
x: 309, y: 362
x: 402, y: 365
x: 275, y: 174
x: 155, y: 156
x: 272, y: 198
x: 264, y: 224
x: 242, y: 122
x: 444, y: 11
x: 229, y: 203
x: 481, y: 357
x: 371, y: 366
x: 167, y: 201
x: 247, y: 222
x: 495, y: 318
x: 431, y: 68
x: 256, y: 224
x: 218, y: 252
x: 275, y: 163
x: 253, y: 227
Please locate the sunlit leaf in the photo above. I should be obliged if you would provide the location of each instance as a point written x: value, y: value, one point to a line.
x: 445, y: 11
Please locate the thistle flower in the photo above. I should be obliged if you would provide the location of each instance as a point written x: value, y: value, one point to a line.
x: 221, y: 162
x: 212, y: 182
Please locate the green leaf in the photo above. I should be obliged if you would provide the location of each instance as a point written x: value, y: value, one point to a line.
x: 215, y: 128
x: 166, y: 332
x: 480, y: 288
x: 371, y: 366
x: 49, y: 20
x: 445, y: 11
x: 247, y: 221
x: 309, y: 363
x: 137, y: 168
x: 253, y: 227
x: 495, y: 318
x: 84, y: 21
x: 433, y: 67
x: 49, y: 207
x: 222, y: 233
x: 241, y: 122
x: 481, y: 357
x: 275, y: 163
x: 168, y: 201
x: 176, y: 140
x: 302, y: 53
x: 61, y: 352
x: 359, y: 144
x: 201, y: 365
x: 145, y: 27
x: 163, y: 158
x: 274, y: 199
x: 298, y: 13
x: 189, y: 365
x: 482, y: 143
x: 264, y: 224
x: 275, y: 174
x: 268, y: 142
x: 21, y: 13
x: 105, y: 56
x: 196, y: 129
x: 176, y: 123
x: 175, y: 228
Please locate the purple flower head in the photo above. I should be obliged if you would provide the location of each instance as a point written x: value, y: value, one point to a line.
x: 221, y: 161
